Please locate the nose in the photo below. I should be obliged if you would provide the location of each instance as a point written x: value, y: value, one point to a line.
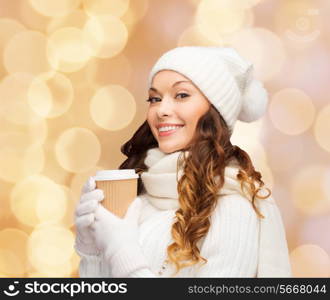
x: 165, y: 108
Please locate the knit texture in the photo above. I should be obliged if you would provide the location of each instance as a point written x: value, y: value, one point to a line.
x: 236, y: 245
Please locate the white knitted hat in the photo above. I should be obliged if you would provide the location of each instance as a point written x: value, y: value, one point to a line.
x: 223, y: 76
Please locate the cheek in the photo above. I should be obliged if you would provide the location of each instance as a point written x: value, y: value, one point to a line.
x: 190, y: 129
x: 149, y: 117
x: 151, y: 122
x: 191, y: 118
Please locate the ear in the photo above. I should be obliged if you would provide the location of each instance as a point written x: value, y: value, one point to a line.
x: 133, y: 211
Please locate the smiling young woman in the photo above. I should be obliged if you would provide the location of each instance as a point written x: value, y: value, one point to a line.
x: 176, y: 105
x: 201, y: 209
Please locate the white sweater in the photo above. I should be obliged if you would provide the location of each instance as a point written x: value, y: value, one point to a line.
x: 237, y: 244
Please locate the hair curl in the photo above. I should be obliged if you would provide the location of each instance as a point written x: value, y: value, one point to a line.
x: 210, y: 151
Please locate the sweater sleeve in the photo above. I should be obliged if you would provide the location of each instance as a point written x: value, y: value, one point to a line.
x: 231, y: 245
x: 96, y: 266
x: 273, y: 250
x: 93, y: 266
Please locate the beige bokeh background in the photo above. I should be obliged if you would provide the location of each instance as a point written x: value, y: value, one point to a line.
x: 73, y: 85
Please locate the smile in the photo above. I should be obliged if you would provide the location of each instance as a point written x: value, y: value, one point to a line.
x: 168, y: 130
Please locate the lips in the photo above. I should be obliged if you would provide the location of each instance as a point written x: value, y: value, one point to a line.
x: 168, y: 130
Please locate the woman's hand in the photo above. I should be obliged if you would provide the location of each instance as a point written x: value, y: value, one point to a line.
x: 111, y: 232
x: 117, y: 238
x: 84, y: 218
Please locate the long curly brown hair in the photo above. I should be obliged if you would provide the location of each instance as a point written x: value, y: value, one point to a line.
x: 210, y: 151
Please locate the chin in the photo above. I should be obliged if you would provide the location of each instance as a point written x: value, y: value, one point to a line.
x: 169, y: 149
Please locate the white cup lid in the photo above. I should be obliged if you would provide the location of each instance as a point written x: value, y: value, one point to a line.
x: 116, y: 174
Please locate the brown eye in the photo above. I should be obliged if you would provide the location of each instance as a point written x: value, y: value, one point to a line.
x: 152, y: 99
x: 184, y: 95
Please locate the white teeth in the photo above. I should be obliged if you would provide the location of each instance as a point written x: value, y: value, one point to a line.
x: 168, y: 128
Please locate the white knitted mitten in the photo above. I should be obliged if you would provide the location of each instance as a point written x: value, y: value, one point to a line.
x: 117, y: 238
x: 84, y: 217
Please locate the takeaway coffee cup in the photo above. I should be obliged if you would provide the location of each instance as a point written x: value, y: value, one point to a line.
x: 119, y: 187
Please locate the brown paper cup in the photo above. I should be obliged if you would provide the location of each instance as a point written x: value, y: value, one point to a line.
x: 118, y: 194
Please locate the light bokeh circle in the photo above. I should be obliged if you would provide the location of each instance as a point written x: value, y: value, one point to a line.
x: 310, y: 261
x: 75, y: 19
x: 291, y: 111
x: 37, y: 199
x: 106, y: 35
x: 216, y: 20
x: 322, y: 128
x: 54, y: 8
x: 53, y: 209
x: 310, y: 232
x: 13, y: 99
x: 50, y: 249
x: 20, y: 158
x: 70, y: 45
x: 13, y: 258
x: 8, y: 28
x: 50, y: 96
x: 105, y: 7
x: 34, y: 57
x: 136, y: 11
x: 112, y: 107
x: 309, y: 190
x: 260, y: 43
x: 33, y: 134
x: 68, y: 49
x: 77, y: 149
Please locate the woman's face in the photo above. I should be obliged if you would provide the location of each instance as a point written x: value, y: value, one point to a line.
x: 175, y: 106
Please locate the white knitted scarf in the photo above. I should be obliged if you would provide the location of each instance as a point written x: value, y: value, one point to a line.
x: 160, y: 180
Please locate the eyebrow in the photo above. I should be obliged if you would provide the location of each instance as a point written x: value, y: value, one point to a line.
x: 176, y: 83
